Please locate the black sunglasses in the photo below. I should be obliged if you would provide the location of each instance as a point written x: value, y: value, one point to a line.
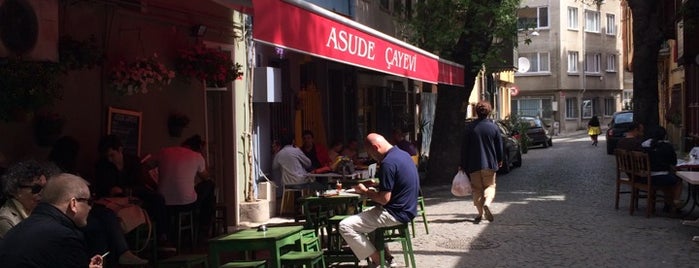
x: 35, y: 188
x: 89, y: 201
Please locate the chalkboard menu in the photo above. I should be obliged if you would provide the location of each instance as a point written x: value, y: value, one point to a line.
x: 126, y: 125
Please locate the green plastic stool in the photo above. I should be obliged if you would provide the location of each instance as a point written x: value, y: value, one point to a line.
x: 245, y: 264
x: 399, y: 233
x: 187, y: 260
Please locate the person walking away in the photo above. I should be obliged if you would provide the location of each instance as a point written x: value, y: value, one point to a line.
x: 51, y: 236
x: 481, y: 156
x: 396, y: 195
x: 593, y: 129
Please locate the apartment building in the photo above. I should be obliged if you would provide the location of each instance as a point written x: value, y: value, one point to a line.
x: 571, y: 70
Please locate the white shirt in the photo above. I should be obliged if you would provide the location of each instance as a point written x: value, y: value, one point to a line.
x: 177, y: 171
x: 293, y: 164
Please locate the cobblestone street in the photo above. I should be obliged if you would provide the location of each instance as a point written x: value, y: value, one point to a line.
x: 557, y: 210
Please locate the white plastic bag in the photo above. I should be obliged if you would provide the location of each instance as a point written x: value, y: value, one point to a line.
x: 461, y: 185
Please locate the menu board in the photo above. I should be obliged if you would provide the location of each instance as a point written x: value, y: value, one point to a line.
x: 126, y: 125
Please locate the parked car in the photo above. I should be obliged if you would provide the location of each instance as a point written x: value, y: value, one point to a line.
x: 511, y: 149
x: 537, y: 132
x: 620, y: 124
x: 510, y: 145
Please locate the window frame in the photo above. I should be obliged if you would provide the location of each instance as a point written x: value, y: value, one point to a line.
x: 594, y: 23
x: 593, y: 60
x: 589, y: 111
x: 611, y: 30
x: 611, y: 63
x: 571, y: 107
x: 609, y: 106
x: 539, y: 56
x: 573, y: 23
x: 538, y: 11
x: 573, y: 63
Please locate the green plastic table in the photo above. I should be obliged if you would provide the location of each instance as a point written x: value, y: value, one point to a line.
x: 247, y: 240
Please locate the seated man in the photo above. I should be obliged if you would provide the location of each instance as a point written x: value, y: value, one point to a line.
x: 397, y: 194
x: 400, y: 142
x: 316, y: 152
x: 50, y: 236
x: 293, y: 164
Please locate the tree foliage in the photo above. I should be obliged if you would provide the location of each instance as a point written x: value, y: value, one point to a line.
x: 468, y: 32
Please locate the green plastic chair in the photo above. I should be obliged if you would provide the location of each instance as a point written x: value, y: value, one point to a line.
x: 185, y: 261
x: 399, y: 233
x: 420, y: 212
x: 310, y: 253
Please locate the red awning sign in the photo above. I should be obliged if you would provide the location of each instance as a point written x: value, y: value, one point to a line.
x: 305, y: 28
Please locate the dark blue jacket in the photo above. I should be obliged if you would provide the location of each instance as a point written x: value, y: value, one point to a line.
x: 481, y: 147
x: 47, y: 238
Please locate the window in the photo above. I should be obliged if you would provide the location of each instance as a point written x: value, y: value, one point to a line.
x: 571, y: 108
x: 592, y: 63
x: 609, y: 106
x: 538, y: 62
x: 611, y: 63
x: 532, y: 107
x: 591, y: 21
x: 611, y: 24
x: 533, y: 17
x: 573, y: 18
x: 587, y: 108
x: 572, y: 61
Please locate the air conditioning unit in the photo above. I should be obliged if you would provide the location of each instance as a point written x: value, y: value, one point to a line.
x: 267, y: 84
x: 29, y: 29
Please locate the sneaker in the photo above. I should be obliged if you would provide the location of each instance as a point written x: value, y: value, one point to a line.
x: 128, y: 258
x: 477, y: 220
x: 390, y: 262
x: 488, y: 214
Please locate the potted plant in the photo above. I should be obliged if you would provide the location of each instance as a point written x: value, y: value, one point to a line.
x: 211, y: 66
x: 48, y: 127
x: 78, y: 55
x: 140, y: 76
x: 176, y: 122
x: 26, y: 86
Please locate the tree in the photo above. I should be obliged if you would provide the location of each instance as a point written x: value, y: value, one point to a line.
x: 462, y: 31
x: 647, y: 38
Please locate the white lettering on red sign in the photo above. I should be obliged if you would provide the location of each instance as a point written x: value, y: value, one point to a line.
x: 354, y: 45
x: 401, y: 60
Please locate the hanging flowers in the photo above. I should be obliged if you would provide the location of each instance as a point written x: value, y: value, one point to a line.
x: 211, y: 65
x: 140, y: 76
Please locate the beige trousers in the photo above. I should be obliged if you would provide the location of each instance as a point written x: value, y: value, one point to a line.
x: 483, y: 185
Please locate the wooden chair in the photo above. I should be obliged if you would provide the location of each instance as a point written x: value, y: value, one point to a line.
x: 642, y: 181
x: 624, y: 171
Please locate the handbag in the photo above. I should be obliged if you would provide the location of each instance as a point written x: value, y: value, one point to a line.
x: 461, y: 185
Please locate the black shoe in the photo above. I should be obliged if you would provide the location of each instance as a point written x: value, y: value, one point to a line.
x: 488, y: 215
x: 477, y: 220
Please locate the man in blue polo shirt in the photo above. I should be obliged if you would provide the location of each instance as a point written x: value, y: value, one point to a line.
x: 396, y: 193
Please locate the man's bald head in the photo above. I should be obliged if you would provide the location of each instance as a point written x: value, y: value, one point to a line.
x: 61, y: 188
x: 377, y: 146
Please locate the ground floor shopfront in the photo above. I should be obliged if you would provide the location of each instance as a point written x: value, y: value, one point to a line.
x: 569, y: 110
x: 341, y: 79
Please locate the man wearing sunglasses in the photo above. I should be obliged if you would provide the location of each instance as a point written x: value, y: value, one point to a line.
x: 51, y: 236
x: 21, y: 189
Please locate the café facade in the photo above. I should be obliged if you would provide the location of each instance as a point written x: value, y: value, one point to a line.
x: 303, y: 67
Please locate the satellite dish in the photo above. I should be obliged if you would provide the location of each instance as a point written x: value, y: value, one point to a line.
x: 523, y: 64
